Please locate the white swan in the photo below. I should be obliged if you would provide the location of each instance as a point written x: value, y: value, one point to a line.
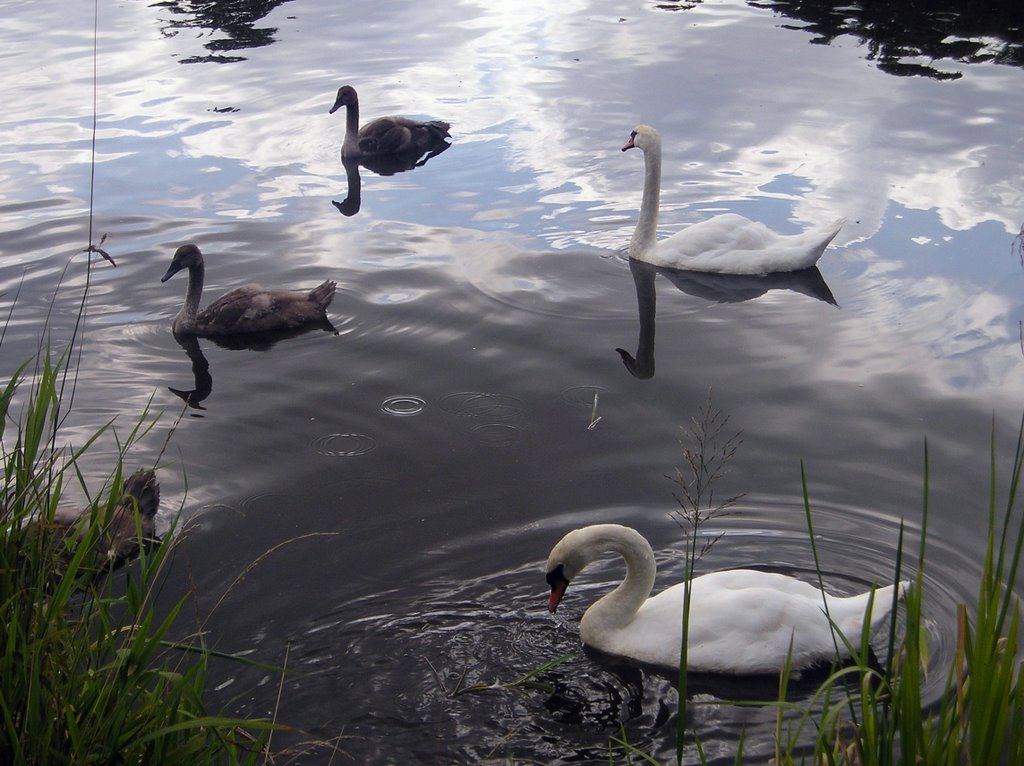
x: 725, y: 244
x: 245, y: 309
x: 386, y: 135
x: 741, y: 620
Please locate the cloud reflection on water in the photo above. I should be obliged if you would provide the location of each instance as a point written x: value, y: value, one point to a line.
x: 551, y: 89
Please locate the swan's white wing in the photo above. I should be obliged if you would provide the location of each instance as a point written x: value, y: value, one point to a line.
x: 722, y: 234
x: 741, y: 621
x: 747, y: 621
x: 732, y: 244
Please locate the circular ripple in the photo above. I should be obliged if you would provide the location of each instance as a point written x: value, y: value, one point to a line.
x: 478, y: 405
x: 345, y: 445
x: 403, y: 405
x: 498, y: 434
x: 149, y: 334
x: 586, y: 286
x: 265, y: 499
x: 582, y: 396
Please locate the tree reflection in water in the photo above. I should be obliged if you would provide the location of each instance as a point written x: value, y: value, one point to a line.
x: 236, y: 19
x: 915, y: 38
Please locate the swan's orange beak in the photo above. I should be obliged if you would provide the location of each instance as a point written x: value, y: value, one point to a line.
x: 558, y: 585
x: 557, y: 591
x: 629, y: 143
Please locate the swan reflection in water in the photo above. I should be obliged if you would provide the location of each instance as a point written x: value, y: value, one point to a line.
x: 202, y: 385
x: 719, y: 288
x: 382, y: 165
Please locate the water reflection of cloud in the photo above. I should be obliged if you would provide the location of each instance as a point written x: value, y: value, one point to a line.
x: 868, y: 136
x: 552, y: 90
x: 964, y: 337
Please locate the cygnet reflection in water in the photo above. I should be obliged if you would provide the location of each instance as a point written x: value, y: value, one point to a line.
x: 261, y: 341
x: 383, y: 165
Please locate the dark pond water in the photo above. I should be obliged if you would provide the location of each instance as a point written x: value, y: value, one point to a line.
x: 373, y: 508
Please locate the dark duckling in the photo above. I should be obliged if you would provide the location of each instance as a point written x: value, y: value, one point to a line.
x: 140, y: 498
x: 386, y: 135
x: 246, y: 309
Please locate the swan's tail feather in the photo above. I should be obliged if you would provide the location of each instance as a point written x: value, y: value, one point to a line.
x: 815, y: 241
x: 322, y: 295
x: 833, y: 228
x: 826, y: 234
x: 884, y: 600
x: 855, y: 614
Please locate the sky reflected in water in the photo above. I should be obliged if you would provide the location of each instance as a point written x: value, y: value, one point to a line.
x: 442, y: 441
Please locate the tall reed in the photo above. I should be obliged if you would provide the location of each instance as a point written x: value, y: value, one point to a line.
x: 876, y: 716
x: 707, y: 449
x: 871, y: 713
x: 87, y: 671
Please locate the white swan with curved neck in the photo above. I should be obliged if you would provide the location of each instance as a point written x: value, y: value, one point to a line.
x: 741, y: 620
x: 725, y: 244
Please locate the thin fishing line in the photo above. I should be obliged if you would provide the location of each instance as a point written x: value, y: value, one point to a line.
x: 91, y: 248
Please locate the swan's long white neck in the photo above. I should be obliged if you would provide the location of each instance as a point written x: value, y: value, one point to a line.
x: 617, y: 609
x: 646, y: 232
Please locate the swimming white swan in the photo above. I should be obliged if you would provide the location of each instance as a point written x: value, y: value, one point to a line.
x: 741, y: 620
x: 385, y: 135
x: 725, y: 244
x: 245, y: 309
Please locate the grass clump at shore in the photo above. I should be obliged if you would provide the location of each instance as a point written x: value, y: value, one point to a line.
x: 979, y: 718
x: 871, y: 712
x: 87, y: 671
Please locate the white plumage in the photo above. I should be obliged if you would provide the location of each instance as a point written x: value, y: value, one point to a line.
x: 725, y: 244
x: 741, y: 621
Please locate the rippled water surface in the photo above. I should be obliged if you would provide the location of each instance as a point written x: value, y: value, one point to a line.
x: 373, y: 508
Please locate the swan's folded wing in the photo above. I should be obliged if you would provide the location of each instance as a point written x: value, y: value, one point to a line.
x: 231, y: 307
x: 741, y: 621
x: 722, y: 234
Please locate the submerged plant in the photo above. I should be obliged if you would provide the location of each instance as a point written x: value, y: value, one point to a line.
x: 529, y: 680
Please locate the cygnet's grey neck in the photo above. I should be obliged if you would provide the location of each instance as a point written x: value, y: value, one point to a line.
x: 351, y: 143
x: 193, y: 295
